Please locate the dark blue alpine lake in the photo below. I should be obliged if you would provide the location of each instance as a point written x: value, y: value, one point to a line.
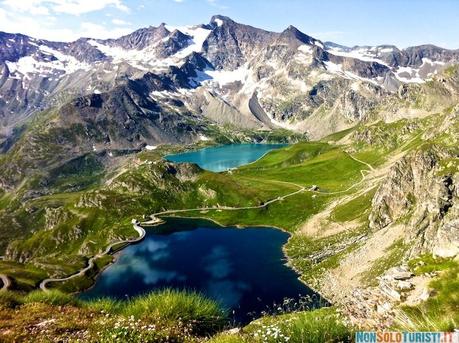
x: 243, y: 269
x: 224, y: 157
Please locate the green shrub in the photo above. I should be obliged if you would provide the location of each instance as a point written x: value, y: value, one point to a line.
x: 50, y: 297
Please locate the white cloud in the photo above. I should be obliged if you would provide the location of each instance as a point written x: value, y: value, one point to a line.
x: 216, y: 4
x: 120, y: 22
x: 49, y: 28
x: 93, y: 30
x: 74, y: 7
x: 46, y: 19
x: 33, y: 7
x: 77, y: 7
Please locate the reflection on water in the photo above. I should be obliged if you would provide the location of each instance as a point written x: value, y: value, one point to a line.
x: 241, y: 268
x: 225, y: 157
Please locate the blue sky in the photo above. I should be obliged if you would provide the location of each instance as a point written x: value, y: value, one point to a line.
x: 349, y: 22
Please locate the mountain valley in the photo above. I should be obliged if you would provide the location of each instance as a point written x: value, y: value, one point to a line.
x: 367, y: 187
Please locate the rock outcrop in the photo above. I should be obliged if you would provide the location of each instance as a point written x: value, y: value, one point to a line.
x: 417, y: 194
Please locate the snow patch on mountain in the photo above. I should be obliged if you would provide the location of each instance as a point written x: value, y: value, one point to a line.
x: 319, y: 44
x: 425, y: 72
x: 68, y: 63
x: 307, y: 49
x: 141, y: 59
x: 218, y: 21
x: 304, y: 54
x: 198, y: 34
x: 62, y: 64
x: 333, y: 67
x: 224, y: 77
x: 215, y: 79
x: 408, y: 75
x: 362, y: 54
x: 146, y: 59
x: 337, y: 69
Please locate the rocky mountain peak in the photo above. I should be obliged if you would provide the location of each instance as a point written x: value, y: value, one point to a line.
x: 179, y: 35
x: 173, y: 43
x: 220, y: 20
x: 198, y: 61
x: 293, y: 34
x: 141, y: 38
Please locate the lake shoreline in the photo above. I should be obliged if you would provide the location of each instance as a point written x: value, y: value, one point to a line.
x: 198, y: 156
x: 193, y: 226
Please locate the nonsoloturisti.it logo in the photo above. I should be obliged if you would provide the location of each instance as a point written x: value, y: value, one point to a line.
x: 406, y: 337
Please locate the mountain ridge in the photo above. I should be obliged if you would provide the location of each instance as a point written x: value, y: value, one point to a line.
x: 87, y: 51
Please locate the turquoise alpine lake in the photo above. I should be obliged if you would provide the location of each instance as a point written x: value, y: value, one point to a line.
x: 243, y: 269
x: 224, y: 157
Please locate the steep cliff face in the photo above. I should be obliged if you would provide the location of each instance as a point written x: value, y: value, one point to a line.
x: 423, y: 195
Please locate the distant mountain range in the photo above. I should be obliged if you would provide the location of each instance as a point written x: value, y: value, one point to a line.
x: 170, y: 84
x: 234, y: 62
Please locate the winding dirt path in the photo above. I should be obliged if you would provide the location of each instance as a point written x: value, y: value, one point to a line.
x: 140, y: 230
x: 360, y: 161
x: 226, y: 208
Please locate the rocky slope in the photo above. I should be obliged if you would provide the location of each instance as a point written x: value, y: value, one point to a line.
x: 415, y: 188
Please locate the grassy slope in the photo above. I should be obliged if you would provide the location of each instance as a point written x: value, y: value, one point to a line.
x: 164, y: 316
x: 441, y: 311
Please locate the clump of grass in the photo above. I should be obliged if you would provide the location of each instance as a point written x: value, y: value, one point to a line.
x: 322, y: 325
x: 228, y: 338
x: 426, y: 318
x: 131, y: 330
x: 202, y: 315
x: 428, y: 263
x: 50, y: 297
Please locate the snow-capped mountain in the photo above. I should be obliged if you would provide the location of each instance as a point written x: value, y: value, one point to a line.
x: 223, y: 72
x: 411, y: 65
